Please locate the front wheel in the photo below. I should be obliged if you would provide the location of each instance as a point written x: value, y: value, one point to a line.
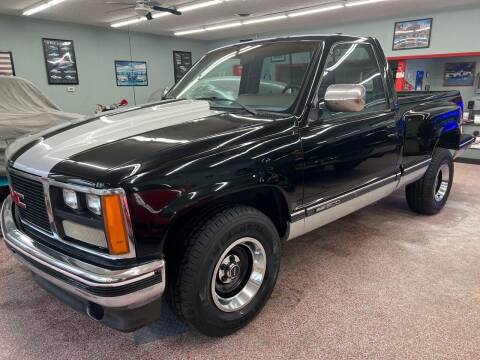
x: 228, y: 271
x: 430, y: 194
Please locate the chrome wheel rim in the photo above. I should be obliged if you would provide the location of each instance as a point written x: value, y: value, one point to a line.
x: 442, y: 182
x: 238, y: 274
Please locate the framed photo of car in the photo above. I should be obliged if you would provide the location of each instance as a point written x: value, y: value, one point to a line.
x: 6, y: 63
x: 278, y: 59
x: 60, y: 62
x: 459, y: 74
x: 412, y: 34
x: 131, y: 73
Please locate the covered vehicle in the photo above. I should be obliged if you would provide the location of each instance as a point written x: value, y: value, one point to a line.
x: 24, y: 110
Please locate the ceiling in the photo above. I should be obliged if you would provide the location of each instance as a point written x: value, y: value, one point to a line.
x: 96, y: 12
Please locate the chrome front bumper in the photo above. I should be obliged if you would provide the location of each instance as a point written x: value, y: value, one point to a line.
x: 124, y: 289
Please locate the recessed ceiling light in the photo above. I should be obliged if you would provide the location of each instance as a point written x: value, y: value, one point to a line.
x: 41, y: 6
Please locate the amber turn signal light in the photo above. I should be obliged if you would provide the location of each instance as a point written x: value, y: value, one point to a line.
x: 115, y: 226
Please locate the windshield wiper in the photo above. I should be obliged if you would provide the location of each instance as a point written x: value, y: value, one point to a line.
x: 236, y: 102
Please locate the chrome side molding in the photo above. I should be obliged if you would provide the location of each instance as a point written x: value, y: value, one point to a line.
x: 317, y: 215
x: 414, y: 173
x: 323, y: 213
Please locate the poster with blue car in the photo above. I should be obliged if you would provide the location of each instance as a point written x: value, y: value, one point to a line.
x: 459, y: 74
x: 131, y: 73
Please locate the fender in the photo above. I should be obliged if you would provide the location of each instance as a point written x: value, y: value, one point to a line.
x: 159, y: 198
x: 155, y: 212
x: 432, y: 125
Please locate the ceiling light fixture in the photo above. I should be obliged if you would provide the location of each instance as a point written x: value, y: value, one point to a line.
x: 362, y: 2
x: 291, y: 14
x: 160, y: 14
x: 41, y: 6
x: 128, y: 22
x: 187, y: 32
x: 156, y: 15
x: 265, y: 19
x: 199, y: 5
x: 223, y: 26
x: 315, y: 10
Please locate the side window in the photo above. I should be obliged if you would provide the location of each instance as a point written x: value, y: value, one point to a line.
x: 349, y: 63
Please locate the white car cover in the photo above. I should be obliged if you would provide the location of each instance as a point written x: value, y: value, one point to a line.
x: 25, y: 110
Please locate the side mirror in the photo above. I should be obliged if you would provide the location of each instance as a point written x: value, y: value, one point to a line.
x: 165, y: 92
x: 345, y: 98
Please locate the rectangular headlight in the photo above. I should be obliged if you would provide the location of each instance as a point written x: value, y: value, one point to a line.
x: 94, y: 204
x: 70, y: 198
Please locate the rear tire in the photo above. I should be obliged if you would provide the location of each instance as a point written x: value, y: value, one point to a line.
x: 228, y: 270
x: 430, y: 194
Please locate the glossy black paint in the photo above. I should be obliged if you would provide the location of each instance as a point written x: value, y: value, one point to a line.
x: 202, y: 160
x: 299, y: 157
x: 349, y: 152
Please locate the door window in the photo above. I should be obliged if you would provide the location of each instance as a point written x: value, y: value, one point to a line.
x: 355, y: 63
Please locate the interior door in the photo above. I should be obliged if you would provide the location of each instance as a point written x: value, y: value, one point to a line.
x: 345, y: 151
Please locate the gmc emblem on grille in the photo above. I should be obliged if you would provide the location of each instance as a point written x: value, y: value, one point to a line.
x: 17, y: 198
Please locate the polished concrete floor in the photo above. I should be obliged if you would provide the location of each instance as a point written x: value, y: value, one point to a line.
x: 382, y: 283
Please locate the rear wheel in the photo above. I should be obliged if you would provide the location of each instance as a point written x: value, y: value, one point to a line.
x: 430, y: 194
x: 228, y: 271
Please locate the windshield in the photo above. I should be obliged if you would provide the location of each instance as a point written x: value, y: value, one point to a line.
x: 265, y: 77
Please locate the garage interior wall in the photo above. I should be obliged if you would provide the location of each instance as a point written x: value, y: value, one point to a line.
x: 453, y: 31
x: 96, y: 50
x: 435, y: 69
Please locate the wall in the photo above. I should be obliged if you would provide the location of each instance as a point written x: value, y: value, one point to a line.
x: 453, y: 31
x: 436, y: 68
x: 96, y: 50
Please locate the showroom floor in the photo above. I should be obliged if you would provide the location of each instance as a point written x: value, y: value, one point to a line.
x: 381, y: 283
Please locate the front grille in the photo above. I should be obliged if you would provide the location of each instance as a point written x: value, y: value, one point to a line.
x: 35, y: 212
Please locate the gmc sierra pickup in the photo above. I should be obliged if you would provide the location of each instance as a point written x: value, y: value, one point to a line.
x: 192, y: 196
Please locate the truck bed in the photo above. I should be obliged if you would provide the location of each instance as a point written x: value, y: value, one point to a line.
x: 408, y: 97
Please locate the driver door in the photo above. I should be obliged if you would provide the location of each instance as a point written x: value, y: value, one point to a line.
x: 347, y: 151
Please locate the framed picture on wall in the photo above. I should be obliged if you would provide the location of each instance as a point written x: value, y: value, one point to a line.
x: 459, y: 74
x: 278, y: 58
x: 182, y: 62
x: 131, y: 73
x: 6, y: 63
x: 412, y: 34
x: 60, y: 62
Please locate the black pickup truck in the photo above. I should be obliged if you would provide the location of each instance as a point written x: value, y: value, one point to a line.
x: 192, y: 196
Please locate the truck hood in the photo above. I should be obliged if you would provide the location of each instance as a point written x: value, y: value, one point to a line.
x: 125, y: 142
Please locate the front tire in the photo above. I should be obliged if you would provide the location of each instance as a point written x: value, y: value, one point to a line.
x: 228, y: 271
x: 430, y: 194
